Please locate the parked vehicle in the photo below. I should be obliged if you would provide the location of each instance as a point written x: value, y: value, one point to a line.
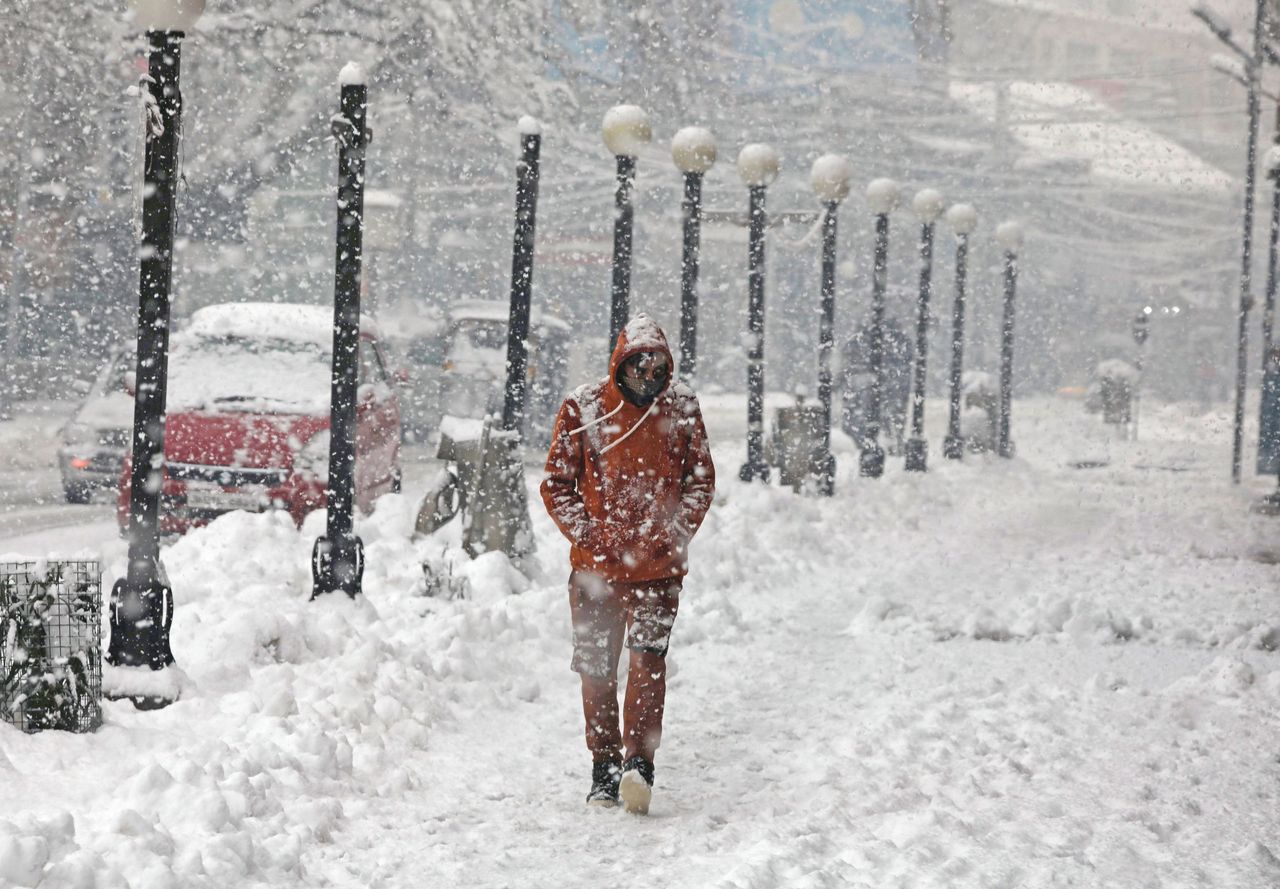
x: 457, y: 368
x: 248, y: 415
x: 96, y: 438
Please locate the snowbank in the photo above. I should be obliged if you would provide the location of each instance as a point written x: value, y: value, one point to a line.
x: 996, y: 673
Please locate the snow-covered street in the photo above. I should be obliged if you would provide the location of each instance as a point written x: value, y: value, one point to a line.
x: 995, y: 674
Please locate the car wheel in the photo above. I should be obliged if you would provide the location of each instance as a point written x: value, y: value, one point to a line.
x: 76, y: 493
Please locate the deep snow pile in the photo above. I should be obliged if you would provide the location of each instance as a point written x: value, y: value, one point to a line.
x: 996, y: 674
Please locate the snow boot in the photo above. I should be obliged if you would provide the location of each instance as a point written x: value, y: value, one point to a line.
x: 604, y: 783
x: 636, y: 787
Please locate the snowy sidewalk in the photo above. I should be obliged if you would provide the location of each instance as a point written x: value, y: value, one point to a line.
x: 996, y: 674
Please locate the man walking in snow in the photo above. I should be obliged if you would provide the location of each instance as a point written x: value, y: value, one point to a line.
x: 628, y: 481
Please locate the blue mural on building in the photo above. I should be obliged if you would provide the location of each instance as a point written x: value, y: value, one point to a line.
x: 830, y: 35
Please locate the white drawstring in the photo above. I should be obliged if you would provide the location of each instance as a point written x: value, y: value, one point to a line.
x: 620, y: 439
x: 586, y: 426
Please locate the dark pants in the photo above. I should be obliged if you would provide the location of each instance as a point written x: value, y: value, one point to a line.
x: 605, y: 615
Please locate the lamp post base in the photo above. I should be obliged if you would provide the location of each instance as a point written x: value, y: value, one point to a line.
x: 1007, y: 450
x: 753, y: 470
x: 871, y: 462
x: 953, y: 447
x: 917, y: 454
x: 337, y: 565
x: 141, y: 614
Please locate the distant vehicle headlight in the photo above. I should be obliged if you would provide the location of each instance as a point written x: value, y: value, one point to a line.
x: 313, y: 459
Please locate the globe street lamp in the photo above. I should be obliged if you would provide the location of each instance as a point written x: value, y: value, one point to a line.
x: 758, y: 166
x: 963, y: 219
x: 142, y: 601
x: 513, y: 403
x: 883, y: 196
x: 1253, y: 70
x: 337, y: 559
x: 626, y: 131
x: 694, y: 151
x: 830, y: 179
x: 928, y: 206
x: 1009, y: 237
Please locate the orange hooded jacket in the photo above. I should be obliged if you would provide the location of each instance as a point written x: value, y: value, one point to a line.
x: 629, y: 486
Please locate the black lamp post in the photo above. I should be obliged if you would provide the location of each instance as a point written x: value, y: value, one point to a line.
x: 1267, y: 432
x: 882, y: 197
x: 758, y: 167
x: 514, y: 396
x: 1140, y: 332
x: 830, y: 179
x: 1253, y: 73
x: 142, y: 601
x: 1009, y: 236
x: 337, y: 560
x: 694, y: 151
x: 625, y: 130
x: 928, y: 205
x: 964, y: 219
x: 1272, y: 162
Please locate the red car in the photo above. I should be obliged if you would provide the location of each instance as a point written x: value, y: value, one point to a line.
x: 248, y: 416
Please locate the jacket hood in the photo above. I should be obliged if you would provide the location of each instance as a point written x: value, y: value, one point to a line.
x: 642, y: 334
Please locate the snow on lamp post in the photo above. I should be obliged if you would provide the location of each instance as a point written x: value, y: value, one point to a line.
x: 693, y: 149
x: 928, y: 206
x: 513, y: 403
x: 337, y: 560
x: 142, y: 601
x: 883, y: 196
x: 1009, y: 237
x: 963, y: 219
x: 625, y: 131
x: 758, y: 166
x: 830, y: 177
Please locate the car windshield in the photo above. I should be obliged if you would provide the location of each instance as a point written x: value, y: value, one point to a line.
x: 476, y: 345
x: 234, y: 373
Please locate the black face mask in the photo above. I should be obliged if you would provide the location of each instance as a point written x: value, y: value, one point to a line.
x: 643, y: 389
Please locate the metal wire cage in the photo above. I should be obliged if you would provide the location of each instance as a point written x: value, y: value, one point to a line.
x: 51, y: 645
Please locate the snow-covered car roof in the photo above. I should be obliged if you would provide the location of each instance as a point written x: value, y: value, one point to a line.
x: 262, y: 320
x: 494, y: 310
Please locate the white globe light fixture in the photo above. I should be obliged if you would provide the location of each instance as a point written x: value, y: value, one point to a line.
x: 626, y: 130
x: 529, y: 126
x: 1009, y: 236
x: 694, y: 150
x: 830, y: 177
x: 883, y: 196
x: 963, y: 218
x: 928, y: 205
x: 1272, y: 160
x: 352, y: 74
x: 167, y: 15
x: 758, y: 164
